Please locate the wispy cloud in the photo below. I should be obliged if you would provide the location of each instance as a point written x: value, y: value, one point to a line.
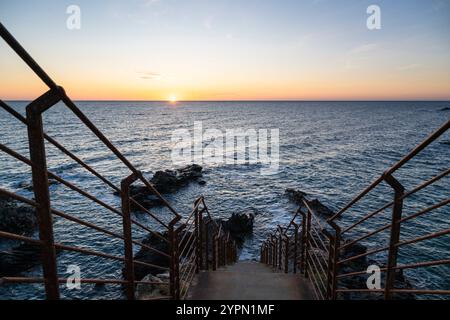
x: 149, y: 75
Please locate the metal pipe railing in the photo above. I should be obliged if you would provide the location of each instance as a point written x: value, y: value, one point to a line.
x: 317, y: 242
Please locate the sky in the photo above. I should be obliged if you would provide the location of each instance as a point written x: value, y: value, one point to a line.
x: 230, y: 49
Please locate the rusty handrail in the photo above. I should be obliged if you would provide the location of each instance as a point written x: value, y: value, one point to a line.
x: 37, y: 163
x: 322, y: 251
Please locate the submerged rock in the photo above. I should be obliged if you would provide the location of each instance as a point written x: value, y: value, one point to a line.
x: 17, y: 218
x: 445, y: 109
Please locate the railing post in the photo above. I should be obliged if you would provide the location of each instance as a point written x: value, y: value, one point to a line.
x: 307, y: 235
x: 303, y: 244
x: 200, y: 238
x: 335, y: 259
x: 295, y: 247
x: 330, y: 265
x: 286, y: 256
x: 224, y: 251
x: 394, y: 235
x: 128, y: 242
x: 214, y: 253
x: 280, y: 247
x: 40, y: 187
x: 174, y: 267
x: 274, y: 251
x: 207, y: 244
x: 197, y: 240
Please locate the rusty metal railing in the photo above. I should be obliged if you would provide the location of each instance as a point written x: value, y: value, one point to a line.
x: 320, y: 249
x: 203, y: 244
x: 167, y: 231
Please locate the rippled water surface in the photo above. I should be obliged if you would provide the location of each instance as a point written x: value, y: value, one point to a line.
x: 331, y: 150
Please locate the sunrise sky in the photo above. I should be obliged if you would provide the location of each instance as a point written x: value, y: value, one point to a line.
x: 230, y: 50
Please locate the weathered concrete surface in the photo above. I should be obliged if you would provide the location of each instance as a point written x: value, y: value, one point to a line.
x: 249, y: 281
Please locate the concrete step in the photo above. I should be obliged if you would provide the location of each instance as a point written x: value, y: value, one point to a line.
x: 249, y: 281
x: 247, y: 267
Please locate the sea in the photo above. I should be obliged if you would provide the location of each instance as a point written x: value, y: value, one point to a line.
x: 330, y: 150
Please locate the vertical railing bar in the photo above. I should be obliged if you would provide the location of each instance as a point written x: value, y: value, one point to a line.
x: 41, y: 188
x: 127, y: 234
x: 394, y: 234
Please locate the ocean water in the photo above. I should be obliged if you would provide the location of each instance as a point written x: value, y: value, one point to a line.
x: 331, y: 150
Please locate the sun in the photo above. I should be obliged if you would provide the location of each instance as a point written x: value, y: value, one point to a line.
x: 173, y: 99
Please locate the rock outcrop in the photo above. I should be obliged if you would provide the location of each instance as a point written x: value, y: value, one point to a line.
x: 166, y: 182
x: 17, y: 218
x: 296, y: 196
x: 240, y: 225
x: 159, y: 288
x: 19, y: 259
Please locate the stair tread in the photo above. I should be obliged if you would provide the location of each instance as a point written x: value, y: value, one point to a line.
x: 239, y: 282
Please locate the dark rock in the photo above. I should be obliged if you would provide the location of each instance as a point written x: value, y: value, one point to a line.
x: 320, y: 208
x: 445, y: 109
x: 165, y: 182
x: 15, y: 218
x: 240, y: 225
x: 151, y: 257
x: 297, y: 196
x: 19, y: 259
x: 171, y: 180
x: 143, y: 196
x: 202, y: 182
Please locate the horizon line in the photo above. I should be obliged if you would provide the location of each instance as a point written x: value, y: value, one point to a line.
x: 245, y: 100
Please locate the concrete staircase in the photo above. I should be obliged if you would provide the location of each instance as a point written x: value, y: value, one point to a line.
x: 247, y: 280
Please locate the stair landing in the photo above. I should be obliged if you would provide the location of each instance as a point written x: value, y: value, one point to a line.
x: 249, y: 281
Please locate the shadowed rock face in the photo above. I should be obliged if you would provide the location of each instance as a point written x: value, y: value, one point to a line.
x: 15, y: 218
x: 19, y: 259
x: 240, y: 225
x: 296, y: 196
x: 171, y: 180
x: 22, y: 220
x: 166, y: 182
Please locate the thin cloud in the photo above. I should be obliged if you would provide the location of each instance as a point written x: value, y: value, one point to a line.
x: 149, y: 75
